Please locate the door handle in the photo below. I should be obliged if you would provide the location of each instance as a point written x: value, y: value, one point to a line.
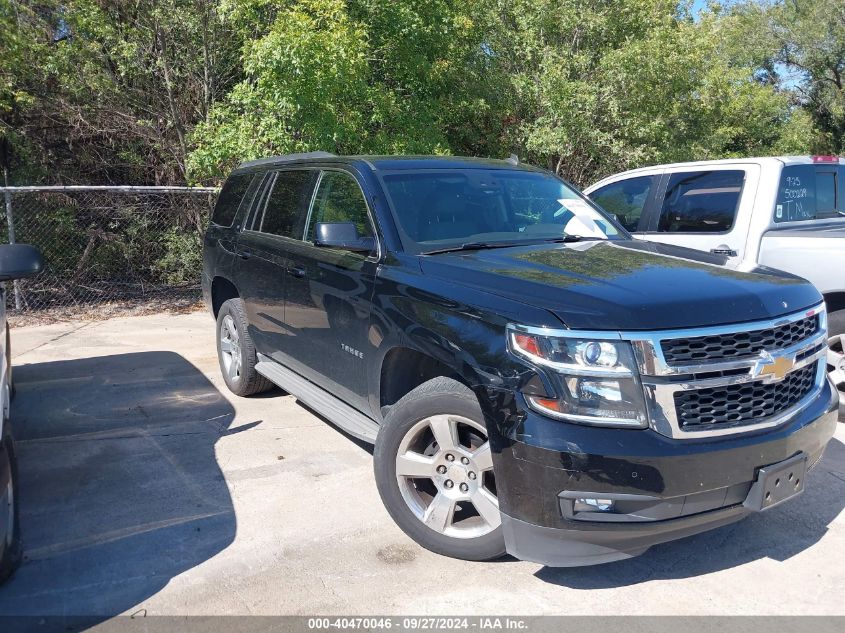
x: 727, y: 252
x: 244, y: 253
x: 297, y: 272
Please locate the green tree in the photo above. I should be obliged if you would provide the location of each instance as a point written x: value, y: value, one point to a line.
x: 356, y: 76
x: 108, y: 90
x: 603, y: 86
x: 802, y: 44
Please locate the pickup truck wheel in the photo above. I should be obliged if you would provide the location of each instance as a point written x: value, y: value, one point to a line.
x: 434, y: 472
x: 836, y: 356
x: 236, y: 351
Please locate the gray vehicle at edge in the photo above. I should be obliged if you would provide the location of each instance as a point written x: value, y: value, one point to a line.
x: 16, y: 261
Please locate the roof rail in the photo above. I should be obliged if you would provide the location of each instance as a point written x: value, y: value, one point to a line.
x: 286, y: 158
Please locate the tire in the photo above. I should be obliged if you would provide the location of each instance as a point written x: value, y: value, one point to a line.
x: 466, y: 523
x: 236, y: 351
x: 11, y: 549
x: 836, y: 355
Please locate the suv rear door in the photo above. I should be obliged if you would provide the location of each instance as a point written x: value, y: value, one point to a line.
x: 329, y: 293
x: 275, y: 222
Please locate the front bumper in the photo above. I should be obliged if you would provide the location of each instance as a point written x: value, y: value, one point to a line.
x: 700, y: 483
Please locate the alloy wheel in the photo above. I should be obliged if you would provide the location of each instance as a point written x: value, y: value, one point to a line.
x: 230, y: 348
x: 444, y: 469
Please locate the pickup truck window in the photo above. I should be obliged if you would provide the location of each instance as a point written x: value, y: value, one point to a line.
x: 286, y: 204
x: 625, y: 199
x: 701, y: 201
x: 339, y: 199
x: 436, y: 209
x: 808, y: 192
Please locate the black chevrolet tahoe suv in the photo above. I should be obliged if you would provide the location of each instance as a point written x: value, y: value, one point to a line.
x: 534, y: 380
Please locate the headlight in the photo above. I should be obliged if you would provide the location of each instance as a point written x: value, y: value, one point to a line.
x: 597, y: 380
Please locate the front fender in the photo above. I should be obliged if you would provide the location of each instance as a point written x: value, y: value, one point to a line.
x: 464, y: 329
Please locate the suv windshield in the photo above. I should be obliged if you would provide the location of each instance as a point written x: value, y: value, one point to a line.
x: 436, y: 209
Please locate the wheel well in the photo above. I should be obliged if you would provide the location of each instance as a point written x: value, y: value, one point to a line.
x: 405, y: 369
x: 221, y: 291
x: 835, y: 301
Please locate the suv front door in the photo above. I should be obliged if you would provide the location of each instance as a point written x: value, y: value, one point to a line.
x: 327, y: 307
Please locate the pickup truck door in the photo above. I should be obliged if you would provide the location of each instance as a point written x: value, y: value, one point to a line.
x: 329, y: 294
x: 707, y: 208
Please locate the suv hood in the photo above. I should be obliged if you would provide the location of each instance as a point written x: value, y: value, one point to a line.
x: 626, y: 285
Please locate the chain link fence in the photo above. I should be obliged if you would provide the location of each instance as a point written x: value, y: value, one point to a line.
x: 106, y: 249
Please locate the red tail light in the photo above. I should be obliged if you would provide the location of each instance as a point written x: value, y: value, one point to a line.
x: 825, y: 159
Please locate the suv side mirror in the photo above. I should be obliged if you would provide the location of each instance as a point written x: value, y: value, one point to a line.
x: 19, y: 260
x: 342, y: 235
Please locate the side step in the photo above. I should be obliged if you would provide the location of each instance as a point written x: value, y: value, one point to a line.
x: 338, y: 412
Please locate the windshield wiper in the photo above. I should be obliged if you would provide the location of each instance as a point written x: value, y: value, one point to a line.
x: 479, y: 246
x: 472, y: 246
x: 570, y: 237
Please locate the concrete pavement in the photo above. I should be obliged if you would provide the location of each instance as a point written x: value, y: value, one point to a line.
x: 145, y: 485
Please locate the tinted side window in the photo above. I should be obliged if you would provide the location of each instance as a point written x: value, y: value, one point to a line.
x: 230, y: 198
x: 701, y: 201
x: 625, y: 199
x: 285, y: 209
x: 339, y: 199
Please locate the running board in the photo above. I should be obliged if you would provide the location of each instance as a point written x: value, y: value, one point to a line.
x: 338, y: 412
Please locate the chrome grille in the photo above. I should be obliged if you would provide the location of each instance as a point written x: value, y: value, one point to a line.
x: 742, y: 404
x: 681, y: 351
x: 722, y: 380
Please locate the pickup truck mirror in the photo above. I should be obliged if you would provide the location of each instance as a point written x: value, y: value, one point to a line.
x: 342, y: 235
x: 19, y: 260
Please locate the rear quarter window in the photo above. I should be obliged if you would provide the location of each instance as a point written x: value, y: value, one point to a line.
x: 230, y: 199
x: 284, y: 213
x: 809, y: 192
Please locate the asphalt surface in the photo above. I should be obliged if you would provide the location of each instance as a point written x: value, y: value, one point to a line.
x: 146, y: 487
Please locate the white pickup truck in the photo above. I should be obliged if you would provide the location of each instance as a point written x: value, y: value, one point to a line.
x: 786, y: 213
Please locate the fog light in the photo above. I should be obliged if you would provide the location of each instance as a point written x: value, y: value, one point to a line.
x: 592, y: 505
x: 589, y: 390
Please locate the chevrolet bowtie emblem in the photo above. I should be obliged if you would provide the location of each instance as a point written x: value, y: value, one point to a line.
x: 771, y: 367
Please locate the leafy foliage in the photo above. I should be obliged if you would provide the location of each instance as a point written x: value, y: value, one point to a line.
x: 101, y: 91
x: 350, y: 77
x: 801, y: 43
x: 181, y: 90
x: 601, y: 87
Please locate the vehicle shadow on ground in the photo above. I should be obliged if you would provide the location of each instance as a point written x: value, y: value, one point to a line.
x: 778, y: 534
x: 120, y: 490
